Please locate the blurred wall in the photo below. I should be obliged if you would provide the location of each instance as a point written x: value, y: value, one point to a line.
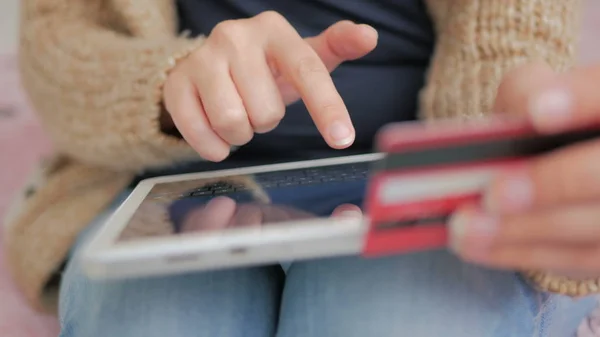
x: 8, y: 25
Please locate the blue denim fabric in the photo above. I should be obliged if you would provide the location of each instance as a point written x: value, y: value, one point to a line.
x: 423, y: 294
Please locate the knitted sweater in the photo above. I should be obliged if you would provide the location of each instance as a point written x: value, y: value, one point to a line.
x: 93, y: 70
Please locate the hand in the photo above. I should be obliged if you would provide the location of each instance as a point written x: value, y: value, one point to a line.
x: 545, y: 215
x: 245, y: 73
x: 224, y: 212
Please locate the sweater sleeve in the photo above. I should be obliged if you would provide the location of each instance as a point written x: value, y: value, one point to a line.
x: 478, y: 42
x: 94, y: 69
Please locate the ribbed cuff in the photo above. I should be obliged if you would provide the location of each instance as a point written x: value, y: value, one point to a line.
x: 549, y: 282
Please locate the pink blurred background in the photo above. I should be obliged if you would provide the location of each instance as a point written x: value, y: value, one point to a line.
x: 19, y: 130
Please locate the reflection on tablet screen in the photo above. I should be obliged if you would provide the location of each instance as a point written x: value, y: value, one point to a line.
x: 240, y: 201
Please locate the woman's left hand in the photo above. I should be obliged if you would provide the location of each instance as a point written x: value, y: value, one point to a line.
x: 546, y: 214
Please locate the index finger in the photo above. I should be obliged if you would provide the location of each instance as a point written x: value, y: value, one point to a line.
x: 302, y: 67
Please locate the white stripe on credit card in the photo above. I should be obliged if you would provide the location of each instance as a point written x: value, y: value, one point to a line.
x: 435, y: 184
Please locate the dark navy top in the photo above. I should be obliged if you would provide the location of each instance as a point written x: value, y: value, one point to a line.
x: 377, y: 89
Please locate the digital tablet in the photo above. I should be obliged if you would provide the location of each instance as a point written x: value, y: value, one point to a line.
x: 278, y: 213
x: 233, y: 218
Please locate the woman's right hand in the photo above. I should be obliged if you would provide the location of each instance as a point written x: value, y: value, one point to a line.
x: 245, y: 73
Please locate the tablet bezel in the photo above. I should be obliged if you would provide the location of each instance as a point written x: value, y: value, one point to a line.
x: 103, y: 259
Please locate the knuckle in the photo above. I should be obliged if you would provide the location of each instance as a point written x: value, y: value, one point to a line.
x: 267, y: 117
x: 271, y: 18
x: 228, y: 32
x: 309, y: 67
x: 266, y: 122
x: 229, y: 120
x: 225, y: 27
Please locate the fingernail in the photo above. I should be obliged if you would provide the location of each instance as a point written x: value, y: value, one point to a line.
x: 510, y: 193
x: 369, y: 31
x: 551, y: 108
x: 471, y: 231
x: 341, y: 134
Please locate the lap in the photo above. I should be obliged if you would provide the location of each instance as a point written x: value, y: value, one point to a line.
x: 424, y: 294
x: 428, y: 294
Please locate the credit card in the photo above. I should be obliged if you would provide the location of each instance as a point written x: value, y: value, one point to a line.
x: 430, y: 170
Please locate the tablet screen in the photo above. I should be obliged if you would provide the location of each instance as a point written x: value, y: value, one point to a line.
x: 239, y: 201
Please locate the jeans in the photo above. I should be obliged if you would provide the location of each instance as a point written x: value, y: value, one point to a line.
x: 422, y: 294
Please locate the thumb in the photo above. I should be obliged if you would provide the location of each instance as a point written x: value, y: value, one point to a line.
x: 343, y: 41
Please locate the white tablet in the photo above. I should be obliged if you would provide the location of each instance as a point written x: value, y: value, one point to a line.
x: 233, y: 218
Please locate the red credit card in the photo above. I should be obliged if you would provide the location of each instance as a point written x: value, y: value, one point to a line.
x: 431, y: 169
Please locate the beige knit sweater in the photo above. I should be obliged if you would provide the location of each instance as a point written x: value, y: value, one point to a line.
x: 93, y: 70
